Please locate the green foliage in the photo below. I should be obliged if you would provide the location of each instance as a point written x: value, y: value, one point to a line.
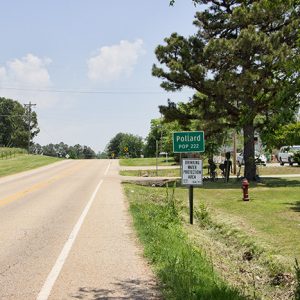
x: 266, y: 227
x: 125, y: 145
x: 188, y: 118
x: 297, y: 157
x: 183, y: 270
x: 61, y: 150
x: 102, y: 155
x: 161, y: 133
x: 243, y: 65
x: 202, y: 214
x: 286, y: 135
x: 7, y: 150
x: 14, y: 124
x: 131, y: 146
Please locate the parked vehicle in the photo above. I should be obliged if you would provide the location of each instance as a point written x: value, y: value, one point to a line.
x: 260, y: 159
x: 286, y: 154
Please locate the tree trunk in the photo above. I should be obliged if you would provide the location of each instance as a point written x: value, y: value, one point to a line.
x: 249, y: 153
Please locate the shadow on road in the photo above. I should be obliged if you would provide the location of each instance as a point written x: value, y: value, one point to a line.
x: 127, y: 289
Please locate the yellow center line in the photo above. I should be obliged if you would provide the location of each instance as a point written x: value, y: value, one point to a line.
x: 39, y: 186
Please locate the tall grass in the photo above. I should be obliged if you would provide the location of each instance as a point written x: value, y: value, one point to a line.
x: 6, y: 153
x: 184, y: 271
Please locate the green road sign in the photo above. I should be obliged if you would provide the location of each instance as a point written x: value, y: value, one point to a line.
x: 188, y: 141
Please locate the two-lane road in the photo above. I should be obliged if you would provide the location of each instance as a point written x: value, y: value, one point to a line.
x: 65, y: 234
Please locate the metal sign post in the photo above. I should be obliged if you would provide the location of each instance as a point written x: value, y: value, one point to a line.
x: 191, y: 201
x: 191, y: 169
x: 192, y: 176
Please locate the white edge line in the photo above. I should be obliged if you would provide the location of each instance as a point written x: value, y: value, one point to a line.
x: 106, y: 171
x: 50, y: 281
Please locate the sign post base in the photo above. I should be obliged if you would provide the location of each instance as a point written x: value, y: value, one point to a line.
x: 191, y: 200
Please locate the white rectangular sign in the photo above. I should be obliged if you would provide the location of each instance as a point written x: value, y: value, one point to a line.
x: 191, y: 171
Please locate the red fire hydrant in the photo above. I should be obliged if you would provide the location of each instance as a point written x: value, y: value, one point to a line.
x: 245, y: 186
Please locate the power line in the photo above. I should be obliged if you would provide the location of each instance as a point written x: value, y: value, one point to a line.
x: 72, y: 91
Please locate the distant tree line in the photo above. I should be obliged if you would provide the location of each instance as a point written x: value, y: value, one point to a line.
x: 159, y: 140
x: 63, y: 150
x: 17, y: 123
x: 125, y: 145
x: 14, y: 124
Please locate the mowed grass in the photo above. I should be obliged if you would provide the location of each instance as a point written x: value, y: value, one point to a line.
x: 271, y: 217
x: 22, y: 163
x: 147, y: 161
x: 282, y: 170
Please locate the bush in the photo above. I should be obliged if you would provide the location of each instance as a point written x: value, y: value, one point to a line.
x: 6, y: 152
x: 297, y: 157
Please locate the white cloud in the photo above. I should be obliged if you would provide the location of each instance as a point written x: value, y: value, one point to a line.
x: 114, y: 61
x: 2, y: 73
x: 30, y: 70
x: 22, y: 78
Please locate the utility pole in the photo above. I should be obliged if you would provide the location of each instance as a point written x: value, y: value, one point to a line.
x: 28, y: 108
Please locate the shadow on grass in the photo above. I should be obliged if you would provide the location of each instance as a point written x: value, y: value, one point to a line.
x: 264, y: 182
x: 127, y: 289
x: 280, y: 182
x: 295, y: 206
x: 270, y: 182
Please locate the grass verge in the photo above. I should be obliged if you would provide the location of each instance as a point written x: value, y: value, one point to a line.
x: 147, y: 161
x: 151, y: 173
x: 271, y: 217
x: 176, y: 172
x: 252, y: 245
x: 184, y: 271
x: 280, y: 170
x: 22, y: 163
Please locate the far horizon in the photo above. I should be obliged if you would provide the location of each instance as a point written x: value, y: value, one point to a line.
x: 89, y: 79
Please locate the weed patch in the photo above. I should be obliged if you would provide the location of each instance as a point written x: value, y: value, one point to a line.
x: 241, y: 259
x: 297, y: 289
x: 184, y: 271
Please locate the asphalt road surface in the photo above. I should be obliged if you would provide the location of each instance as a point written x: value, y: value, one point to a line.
x: 65, y: 233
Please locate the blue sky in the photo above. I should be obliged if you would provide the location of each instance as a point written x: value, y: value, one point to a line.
x: 87, y: 64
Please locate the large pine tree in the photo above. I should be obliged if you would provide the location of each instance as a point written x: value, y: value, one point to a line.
x: 241, y: 63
